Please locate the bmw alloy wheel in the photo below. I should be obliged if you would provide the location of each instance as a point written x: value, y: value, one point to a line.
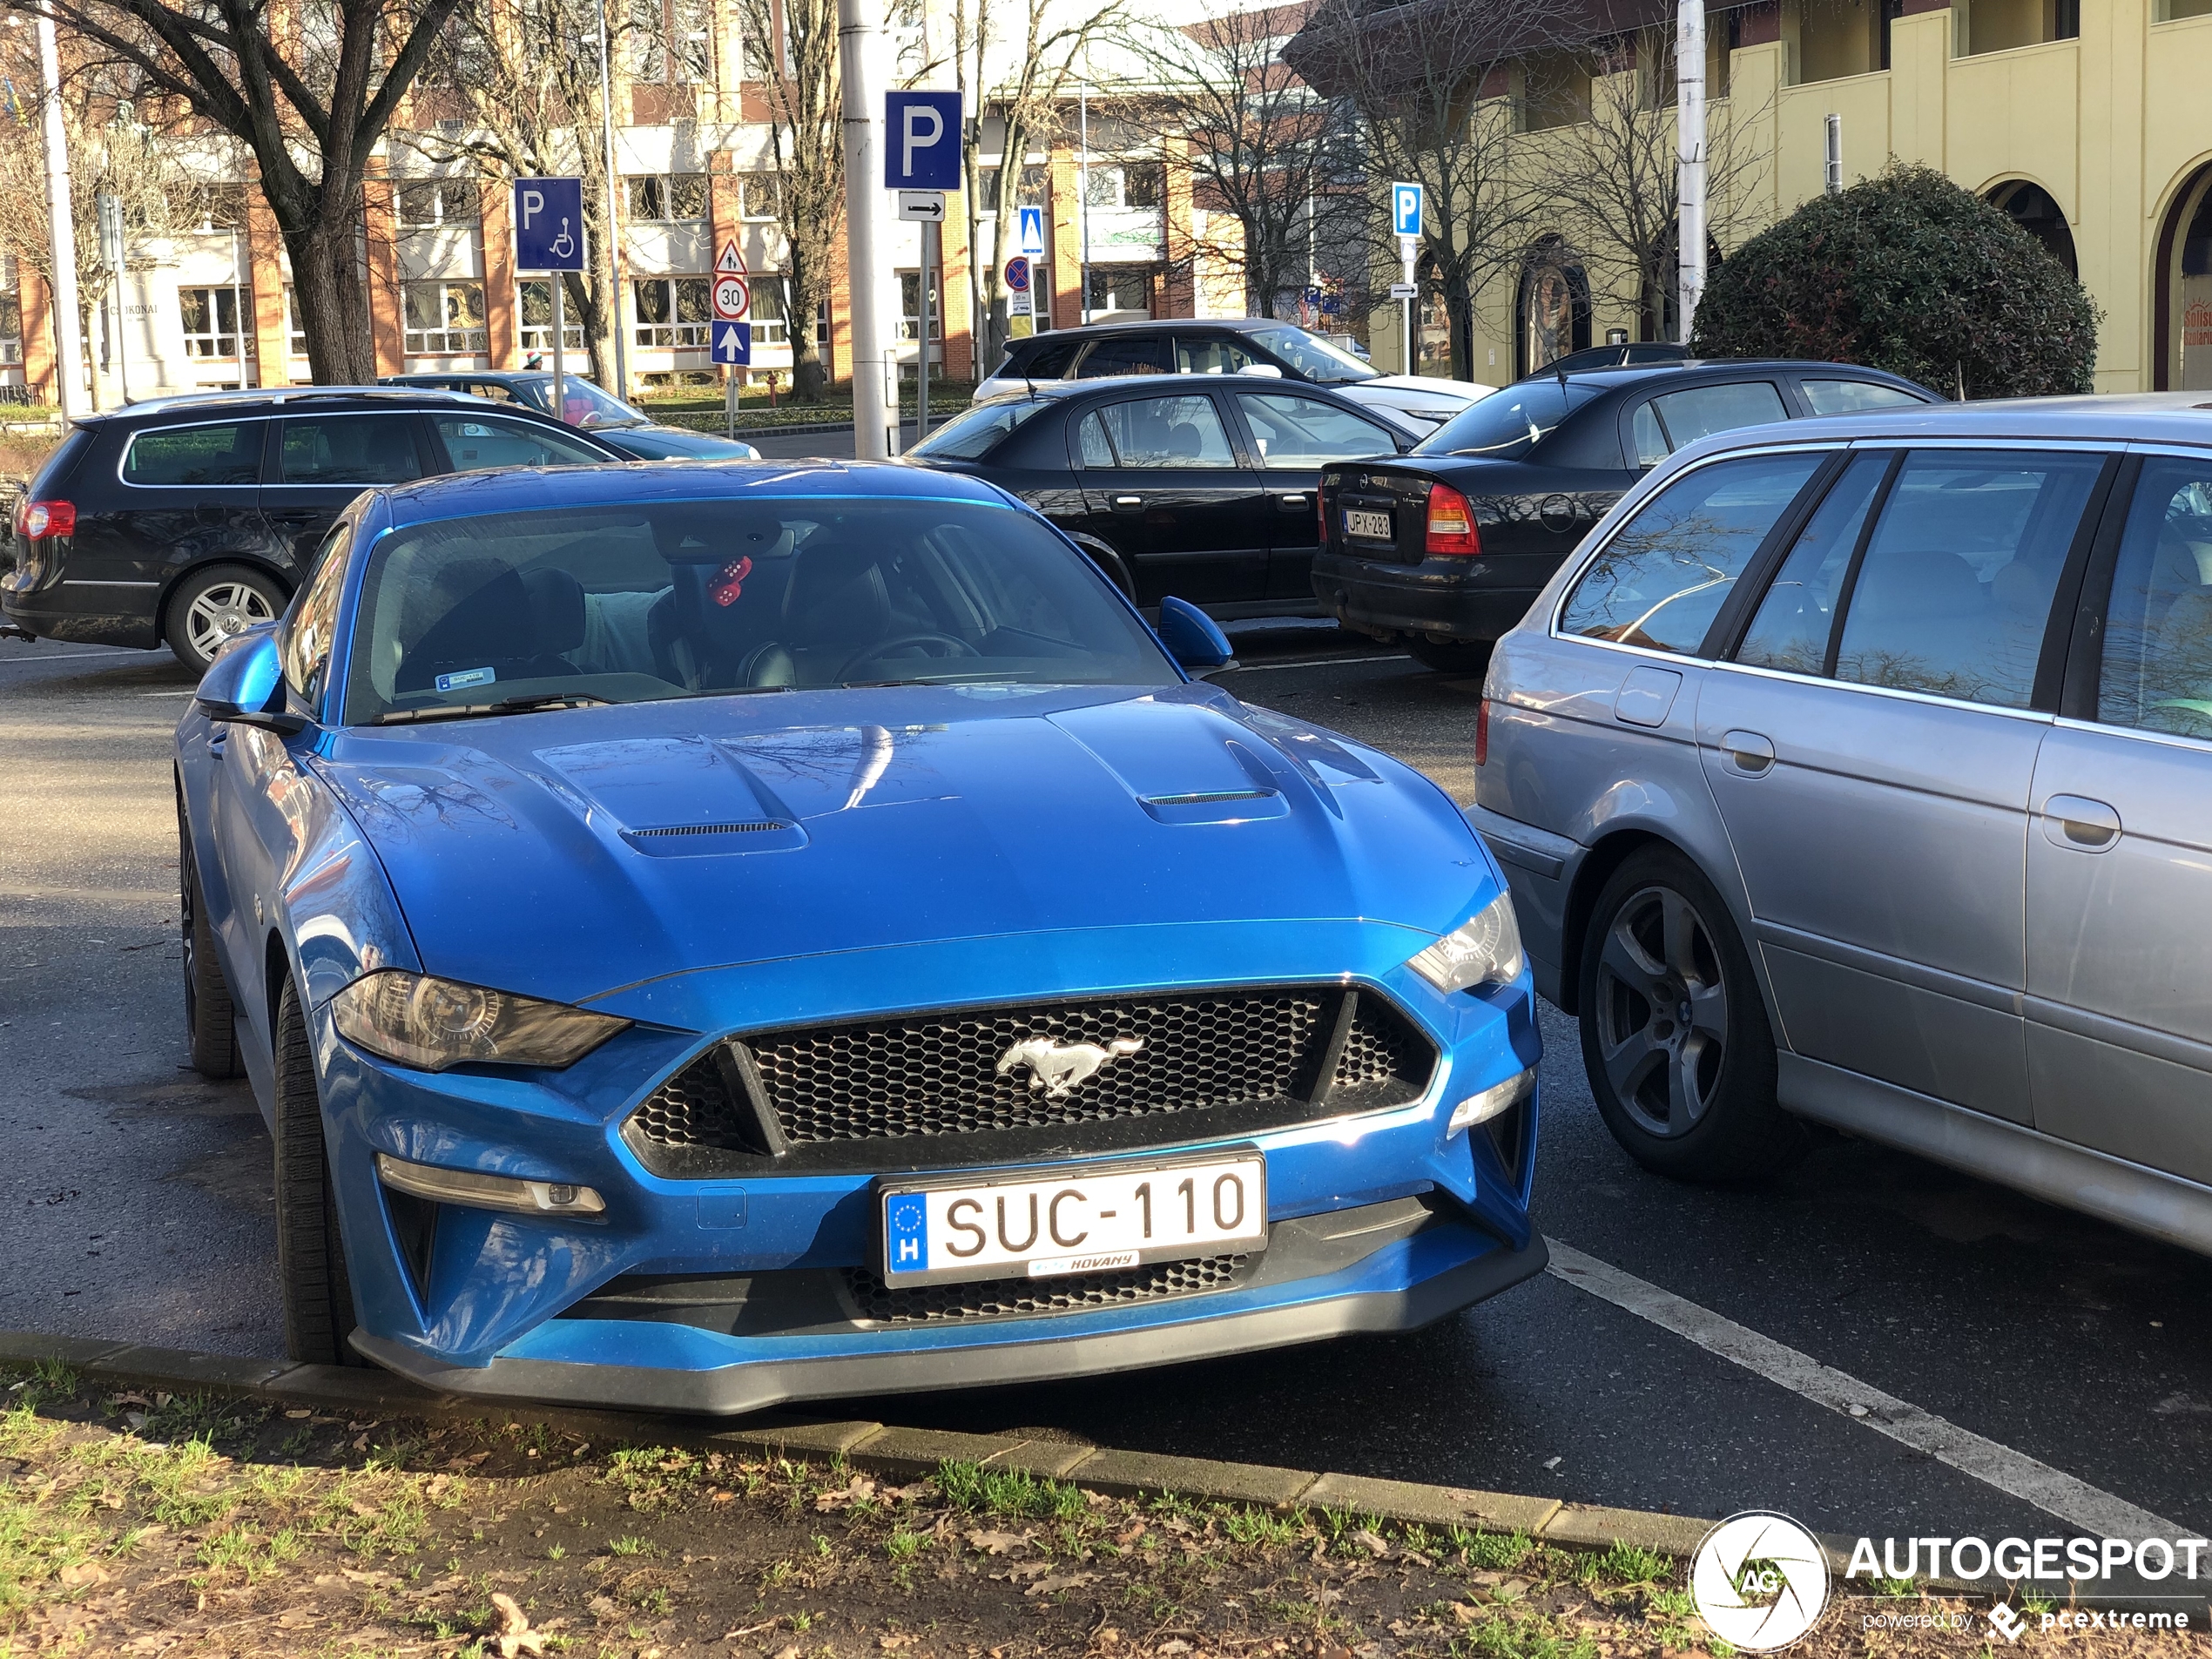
x: 1661, y: 1011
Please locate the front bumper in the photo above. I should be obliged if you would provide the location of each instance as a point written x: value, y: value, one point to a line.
x: 1414, y: 1278
x: 1439, y: 600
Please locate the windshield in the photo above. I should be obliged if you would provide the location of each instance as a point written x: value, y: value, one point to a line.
x: 975, y: 433
x: 1508, y: 424
x: 1313, y: 356
x: 643, y: 602
x: 583, y: 404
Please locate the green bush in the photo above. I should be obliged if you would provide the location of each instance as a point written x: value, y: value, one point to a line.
x: 1911, y: 273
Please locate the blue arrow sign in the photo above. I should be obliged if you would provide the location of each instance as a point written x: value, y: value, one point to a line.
x: 732, y: 343
x: 549, y: 223
x: 921, y: 141
x: 1405, y: 209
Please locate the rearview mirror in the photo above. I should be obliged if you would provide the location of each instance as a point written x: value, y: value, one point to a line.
x: 1192, y: 637
x: 244, y: 684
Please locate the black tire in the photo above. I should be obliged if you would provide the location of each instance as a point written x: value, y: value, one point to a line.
x: 210, y: 1018
x: 311, y: 1259
x: 214, y: 602
x: 1459, y: 656
x: 1675, y: 1032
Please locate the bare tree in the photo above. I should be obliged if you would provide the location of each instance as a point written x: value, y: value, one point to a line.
x: 1433, y: 82
x: 310, y: 91
x: 1611, y: 183
x: 1264, y: 150
x: 1048, y: 42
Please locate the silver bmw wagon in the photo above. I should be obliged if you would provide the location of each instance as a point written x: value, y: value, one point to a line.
x: 1861, y: 771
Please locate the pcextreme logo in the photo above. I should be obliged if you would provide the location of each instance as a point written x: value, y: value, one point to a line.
x: 1760, y: 1581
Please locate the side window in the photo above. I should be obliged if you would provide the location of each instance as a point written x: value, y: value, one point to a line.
x: 1090, y: 437
x: 1166, y: 432
x: 1216, y: 356
x: 1295, y: 431
x: 1794, y: 621
x: 350, y: 449
x: 1848, y: 397
x: 1125, y: 354
x: 1701, y: 411
x: 1646, y: 439
x: 492, y: 391
x: 1048, y: 362
x: 305, y: 650
x: 196, y: 454
x: 1661, y: 581
x: 473, y: 443
x: 2157, y: 672
x: 1953, y: 592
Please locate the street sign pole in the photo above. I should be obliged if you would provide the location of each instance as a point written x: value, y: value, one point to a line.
x: 1405, y: 219
x: 549, y: 238
x: 921, y: 161
x: 560, y: 282
x: 921, y: 357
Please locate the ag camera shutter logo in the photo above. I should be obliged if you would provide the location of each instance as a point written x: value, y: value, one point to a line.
x: 1760, y: 1581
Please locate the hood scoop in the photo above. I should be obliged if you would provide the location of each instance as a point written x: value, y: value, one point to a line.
x: 675, y: 797
x: 1192, y: 767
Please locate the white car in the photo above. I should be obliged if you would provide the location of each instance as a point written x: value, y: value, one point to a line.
x: 1416, y: 403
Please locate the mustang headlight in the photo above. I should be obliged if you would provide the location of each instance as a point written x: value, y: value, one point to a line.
x: 434, y: 1023
x: 1485, y: 952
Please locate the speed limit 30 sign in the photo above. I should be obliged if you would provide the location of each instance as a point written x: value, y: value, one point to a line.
x: 733, y: 298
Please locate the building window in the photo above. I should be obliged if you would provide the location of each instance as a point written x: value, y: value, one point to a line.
x: 672, y: 312
x: 1120, y: 289
x: 910, y: 306
x: 210, y: 317
x: 295, y: 336
x: 759, y: 195
x: 11, y: 325
x: 648, y: 40
x: 426, y: 203
x: 445, y: 319
x: 1127, y: 183
x: 691, y: 31
x: 533, y: 300
x: 663, y: 198
x: 910, y: 36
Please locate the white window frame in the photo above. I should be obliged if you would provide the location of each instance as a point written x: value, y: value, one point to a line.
x: 675, y: 335
x: 538, y: 337
x: 216, y: 344
x: 465, y: 340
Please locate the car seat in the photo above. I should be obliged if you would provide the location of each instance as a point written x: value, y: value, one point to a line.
x: 481, y: 615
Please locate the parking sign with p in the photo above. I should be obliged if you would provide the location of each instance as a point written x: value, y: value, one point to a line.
x: 921, y: 141
x: 549, y: 223
x: 1405, y: 209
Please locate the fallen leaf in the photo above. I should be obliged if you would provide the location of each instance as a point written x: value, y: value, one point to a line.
x: 296, y: 1416
x: 720, y: 1496
x: 1107, y: 1637
x: 1372, y: 1542
x: 1064, y: 1582
x: 360, y: 1442
x: 1024, y: 1570
x: 80, y: 1574
x: 603, y: 1607
x: 1466, y: 1612
x: 1512, y: 1589
x: 1135, y: 1532
x: 997, y: 1543
x: 892, y: 1644
x: 791, y: 1652
x: 514, y: 1634
x: 363, y: 1511
x: 1176, y: 1645
x: 374, y: 1581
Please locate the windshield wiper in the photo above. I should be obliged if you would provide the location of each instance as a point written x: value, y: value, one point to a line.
x: 525, y: 704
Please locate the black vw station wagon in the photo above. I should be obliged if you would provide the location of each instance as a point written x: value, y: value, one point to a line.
x: 1446, y: 548
x: 1201, y: 486
x: 183, y: 521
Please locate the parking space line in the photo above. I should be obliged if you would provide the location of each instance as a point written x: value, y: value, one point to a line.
x: 2076, y: 1502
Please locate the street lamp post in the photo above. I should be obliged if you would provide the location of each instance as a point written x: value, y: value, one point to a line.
x: 614, y: 258
x: 1689, y: 125
x: 69, y: 328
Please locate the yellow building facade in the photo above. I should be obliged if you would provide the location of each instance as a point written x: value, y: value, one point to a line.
x: 2091, y: 120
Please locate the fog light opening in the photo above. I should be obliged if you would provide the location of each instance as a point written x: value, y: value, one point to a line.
x: 479, y: 1191
x: 1492, y: 1101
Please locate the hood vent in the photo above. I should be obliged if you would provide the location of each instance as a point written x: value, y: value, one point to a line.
x: 711, y: 829
x: 698, y: 840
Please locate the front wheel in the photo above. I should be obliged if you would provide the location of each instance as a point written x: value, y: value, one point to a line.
x: 211, y: 1020
x: 311, y: 1258
x: 1674, y: 1033
x: 214, y: 606
x: 1457, y: 656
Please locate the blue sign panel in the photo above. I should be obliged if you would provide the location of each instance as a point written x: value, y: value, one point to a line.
x: 1017, y: 274
x: 905, y: 1226
x: 1405, y: 209
x: 732, y: 343
x: 1032, y: 230
x: 921, y: 141
x: 549, y: 223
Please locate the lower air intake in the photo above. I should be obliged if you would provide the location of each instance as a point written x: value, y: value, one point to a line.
x: 1014, y: 1298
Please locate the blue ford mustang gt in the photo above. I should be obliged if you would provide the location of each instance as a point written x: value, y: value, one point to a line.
x: 704, y: 935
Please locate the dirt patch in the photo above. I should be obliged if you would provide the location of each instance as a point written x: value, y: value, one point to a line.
x: 132, y: 1524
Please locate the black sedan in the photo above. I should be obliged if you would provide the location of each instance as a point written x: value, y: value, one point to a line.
x: 604, y: 416
x: 1201, y: 486
x: 1445, y: 550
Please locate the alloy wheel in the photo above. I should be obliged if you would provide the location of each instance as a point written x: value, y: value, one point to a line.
x: 221, y: 610
x: 1661, y: 1012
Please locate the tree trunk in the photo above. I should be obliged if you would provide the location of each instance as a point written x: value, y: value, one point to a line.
x: 331, y: 305
x: 1459, y: 310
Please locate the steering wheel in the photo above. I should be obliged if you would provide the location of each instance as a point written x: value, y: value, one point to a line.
x: 876, y: 652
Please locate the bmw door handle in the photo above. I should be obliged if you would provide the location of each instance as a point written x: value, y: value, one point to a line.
x: 2081, y: 824
x: 1748, y: 752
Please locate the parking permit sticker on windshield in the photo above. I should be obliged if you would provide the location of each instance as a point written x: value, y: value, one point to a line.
x: 465, y: 678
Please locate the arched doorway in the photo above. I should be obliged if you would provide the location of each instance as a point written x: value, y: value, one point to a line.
x: 2034, y: 210
x: 2183, y: 290
x: 1552, y: 313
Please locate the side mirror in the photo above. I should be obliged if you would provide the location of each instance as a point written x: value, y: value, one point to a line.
x: 1262, y: 371
x: 245, y: 686
x: 1192, y: 637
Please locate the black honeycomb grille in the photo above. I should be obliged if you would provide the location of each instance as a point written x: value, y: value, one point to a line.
x: 939, y: 1074
x: 1007, y: 1298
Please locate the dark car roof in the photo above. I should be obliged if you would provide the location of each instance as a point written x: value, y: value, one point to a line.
x: 1636, y: 374
x: 1138, y: 325
x: 556, y: 488
x: 255, y: 401
x: 1169, y: 384
x: 2134, y: 417
x: 496, y: 376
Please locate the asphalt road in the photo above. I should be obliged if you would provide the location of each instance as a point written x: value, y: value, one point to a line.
x: 134, y: 1203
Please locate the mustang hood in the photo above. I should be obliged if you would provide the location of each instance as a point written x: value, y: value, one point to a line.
x: 572, y: 852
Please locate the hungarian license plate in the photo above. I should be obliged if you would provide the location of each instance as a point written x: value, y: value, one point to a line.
x: 1071, y: 1218
x: 1372, y: 526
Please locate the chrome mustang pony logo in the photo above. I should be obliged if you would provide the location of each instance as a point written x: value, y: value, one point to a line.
x: 1057, y: 1067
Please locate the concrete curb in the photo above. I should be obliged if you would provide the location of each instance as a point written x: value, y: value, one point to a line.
x: 877, y: 1447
